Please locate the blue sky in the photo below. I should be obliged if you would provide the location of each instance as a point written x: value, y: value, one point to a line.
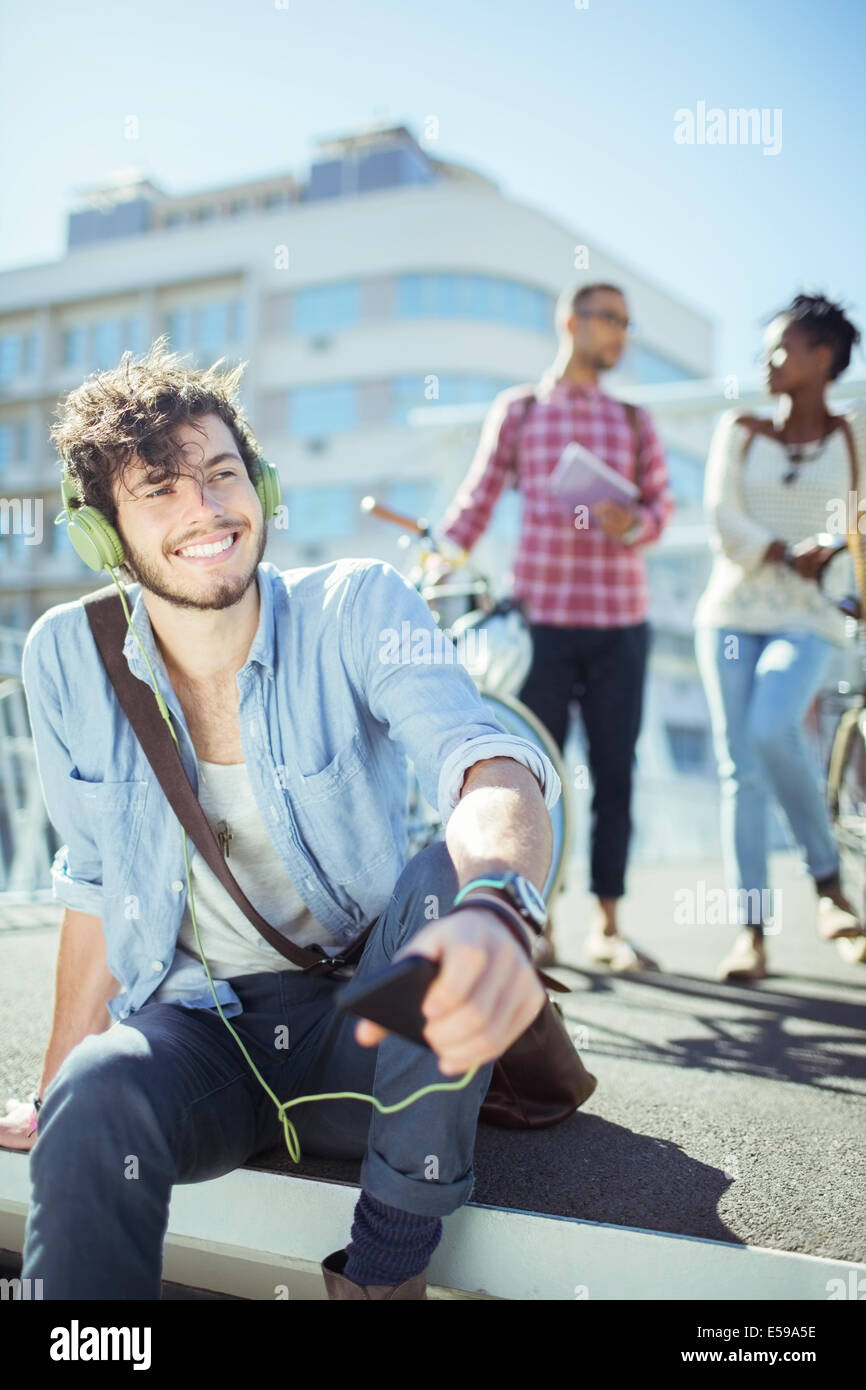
x: 569, y: 109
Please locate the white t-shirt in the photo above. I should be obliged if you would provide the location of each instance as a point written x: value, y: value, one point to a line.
x: 230, y: 942
x: 749, y: 506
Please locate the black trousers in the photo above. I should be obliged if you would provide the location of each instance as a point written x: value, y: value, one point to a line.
x: 603, y: 669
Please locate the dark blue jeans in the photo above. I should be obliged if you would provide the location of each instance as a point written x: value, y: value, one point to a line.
x: 166, y: 1096
x: 603, y: 669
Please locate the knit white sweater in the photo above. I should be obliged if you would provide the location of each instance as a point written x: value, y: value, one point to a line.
x: 749, y: 506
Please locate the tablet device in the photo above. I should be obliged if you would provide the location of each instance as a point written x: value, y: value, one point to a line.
x: 582, y: 478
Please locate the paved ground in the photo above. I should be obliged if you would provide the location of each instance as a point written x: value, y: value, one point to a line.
x: 733, y: 1113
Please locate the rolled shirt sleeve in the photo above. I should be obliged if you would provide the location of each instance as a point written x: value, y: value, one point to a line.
x: 493, y: 467
x: 457, y: 764
x: 76, y: 873
x: 413, y: 681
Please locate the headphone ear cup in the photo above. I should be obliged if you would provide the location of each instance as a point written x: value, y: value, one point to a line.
x: 94, y: 539
x: 269, y: 489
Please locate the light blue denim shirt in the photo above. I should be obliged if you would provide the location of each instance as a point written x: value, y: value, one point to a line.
x: 327, y: 719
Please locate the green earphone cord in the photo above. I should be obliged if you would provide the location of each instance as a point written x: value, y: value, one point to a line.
x: 289, y: 1131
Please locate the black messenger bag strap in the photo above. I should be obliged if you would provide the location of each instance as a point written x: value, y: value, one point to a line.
x: 108, y: 624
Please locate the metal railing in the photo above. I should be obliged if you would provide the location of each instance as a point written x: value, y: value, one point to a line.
x: 26, y: 834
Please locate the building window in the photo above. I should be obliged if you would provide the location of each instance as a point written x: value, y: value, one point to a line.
x: 208, y: 328
x: 648, y: 366
x: 179, y: 326
x: 73, y: 346
x: 409, y: 392
x: 106, y: 343
x: 320, y: 513
x: 274, y: 199
x: 213, y: 326
x: 323, y: 410
x: 101, y: 344
x: 483, y: 297
x: 413, y: 498
x: 325, y: 308
x: 238, y: 206
x: 19, y: 355
x: 14, y: 443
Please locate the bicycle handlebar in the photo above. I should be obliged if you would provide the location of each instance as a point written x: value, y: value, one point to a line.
x: 374, y: 508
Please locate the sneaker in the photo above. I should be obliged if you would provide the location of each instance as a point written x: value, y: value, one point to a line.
x: 747, y: 959
x: 620, y: 956
x: 853, y: 952
x: 837, y: 918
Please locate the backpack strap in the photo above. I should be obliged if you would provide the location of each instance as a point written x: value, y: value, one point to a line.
x: 527, y: 405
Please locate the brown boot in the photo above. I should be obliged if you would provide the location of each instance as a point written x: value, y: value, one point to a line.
x: 339, y: 1287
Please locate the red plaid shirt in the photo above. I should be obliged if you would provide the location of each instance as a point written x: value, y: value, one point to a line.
x: 567, y: 576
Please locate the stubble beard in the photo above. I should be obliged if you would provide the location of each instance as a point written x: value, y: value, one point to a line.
x: 224, y: 592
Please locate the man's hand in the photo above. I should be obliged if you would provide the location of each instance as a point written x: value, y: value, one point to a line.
x: 615, y: 518
x: 436, y: 569
x: 485, y: 995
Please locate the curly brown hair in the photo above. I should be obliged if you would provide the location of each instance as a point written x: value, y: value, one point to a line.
x: 131, y: 413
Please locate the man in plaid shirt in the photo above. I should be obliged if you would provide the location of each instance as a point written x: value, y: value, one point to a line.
x: 582, y: 577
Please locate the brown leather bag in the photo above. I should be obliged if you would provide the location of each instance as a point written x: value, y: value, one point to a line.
x: 537, y: 1082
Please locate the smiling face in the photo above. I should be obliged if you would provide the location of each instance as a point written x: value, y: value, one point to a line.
x: 195, y: 540
x: 791, y: 359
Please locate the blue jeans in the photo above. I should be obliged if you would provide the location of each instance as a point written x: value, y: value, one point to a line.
x: 759, y: 687
x: 166, y: 1096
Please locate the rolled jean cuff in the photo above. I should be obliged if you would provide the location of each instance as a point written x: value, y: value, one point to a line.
x: 424, y: 1197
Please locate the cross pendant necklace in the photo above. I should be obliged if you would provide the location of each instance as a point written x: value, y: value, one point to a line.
x: 224, y: 835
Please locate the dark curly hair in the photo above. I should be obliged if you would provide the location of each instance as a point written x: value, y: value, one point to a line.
x: 825, y: 323
x: 134, y: 410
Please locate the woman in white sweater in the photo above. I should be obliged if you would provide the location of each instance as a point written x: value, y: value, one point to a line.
x: 765, y: 633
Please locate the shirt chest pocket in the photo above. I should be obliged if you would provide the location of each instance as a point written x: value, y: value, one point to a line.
x: 338, y: 815
x: 113, y: 813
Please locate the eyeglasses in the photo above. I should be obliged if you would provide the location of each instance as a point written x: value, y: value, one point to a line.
x: 609, y: 316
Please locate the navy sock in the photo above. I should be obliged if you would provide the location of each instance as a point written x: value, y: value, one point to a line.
x: 389, y: 1245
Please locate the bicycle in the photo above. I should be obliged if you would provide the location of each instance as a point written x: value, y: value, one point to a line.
x: 498, y: 664
x: 846, y: 769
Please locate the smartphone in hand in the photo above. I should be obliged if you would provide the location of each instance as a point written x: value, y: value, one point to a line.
x: 393, y: 998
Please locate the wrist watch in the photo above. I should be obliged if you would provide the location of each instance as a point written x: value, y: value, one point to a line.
x: 506, y: 913
x: 523, y: 895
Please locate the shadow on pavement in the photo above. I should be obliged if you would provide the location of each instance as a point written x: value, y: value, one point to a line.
x: 753, y: 1042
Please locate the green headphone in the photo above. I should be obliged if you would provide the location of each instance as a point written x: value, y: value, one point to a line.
x: 97, y: 541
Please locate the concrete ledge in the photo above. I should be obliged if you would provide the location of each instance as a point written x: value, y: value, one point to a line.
x: 262, y: 1235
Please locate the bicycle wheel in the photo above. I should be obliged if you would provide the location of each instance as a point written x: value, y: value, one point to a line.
x: 516, y: 718
x: 846, y: 796
x: 425, y: 826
